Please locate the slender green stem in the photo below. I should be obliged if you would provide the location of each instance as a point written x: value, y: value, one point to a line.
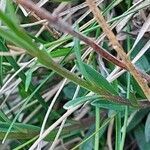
x: 117, y: 123
x: 128, y: 93
x: 1, y: 70
x: 118, y: 129
x: 20, y: 38
x: 97, y: 126
x: 126, y: 114
x: 26, y: 143
x: 124, y: 128
x: 101, y: 127
x: 44, y: 58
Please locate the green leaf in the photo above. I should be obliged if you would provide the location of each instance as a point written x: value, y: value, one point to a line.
x: 69, y: 90
x: 3, y: 117
x: 140, y: 138
x: 137, y: 88
x: 108, y: 105
x: 28, y: 79
x: 147, y: 129
x: 78, y: 101
x: 17, y: 35
x: 96, y: 78
x: 29, y: 76
x: 58, y: 42
x: 21, y: 74
x: 143, y: 63
x: 11, y: 12
x: 60, y: 52
x: 29, y: 131
x: 19, y: 41
x: 140, y: 114
x: 133, y: 100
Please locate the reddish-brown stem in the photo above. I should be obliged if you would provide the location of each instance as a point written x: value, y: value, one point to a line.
x: 118, y: 47
x: 59, y: 24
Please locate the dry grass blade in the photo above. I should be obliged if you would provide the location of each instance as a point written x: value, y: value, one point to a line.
x: 53, y: 126
x: 116, y: 45
x: 142, y: 31
x: 10, y: 53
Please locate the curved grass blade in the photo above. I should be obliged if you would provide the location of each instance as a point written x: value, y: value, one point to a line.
x: 13, y: 63
x: 75, y: 102
x: 108, y: 105
x: 91, y: 74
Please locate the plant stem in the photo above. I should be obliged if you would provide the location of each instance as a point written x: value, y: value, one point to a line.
x: 64, y: 27
x: 117, y: 123
x: 118, y: 47
x: 118, y: 129
x: 97, y: 126
x: 128, y: 93
x: 45, y: 59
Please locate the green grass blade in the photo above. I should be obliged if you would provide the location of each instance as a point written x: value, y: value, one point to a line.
x: 21, y: 74
x: 75, y: 102
x: 97, y: 79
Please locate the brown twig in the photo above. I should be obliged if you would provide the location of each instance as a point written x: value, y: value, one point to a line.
x: 64, y: 27
x: 117, y: 46
x: 59, y: 24
x: 45, y: 25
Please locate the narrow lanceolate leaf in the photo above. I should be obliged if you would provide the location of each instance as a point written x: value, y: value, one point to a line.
x: 118, y: 47
x: 29, y: 131
x: 3, y: 117
x: 147, y: 129
x: 75, y: 102
x: 28, y: 79
x: 20, y: 38
x: 108, y: 105
x: 17, y: 35
x: 11, y: 12
x: 137, y: 118
x: 96, y: 78
x: 140, y: 139
x: 91, y: 74
x: 16, y: 67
